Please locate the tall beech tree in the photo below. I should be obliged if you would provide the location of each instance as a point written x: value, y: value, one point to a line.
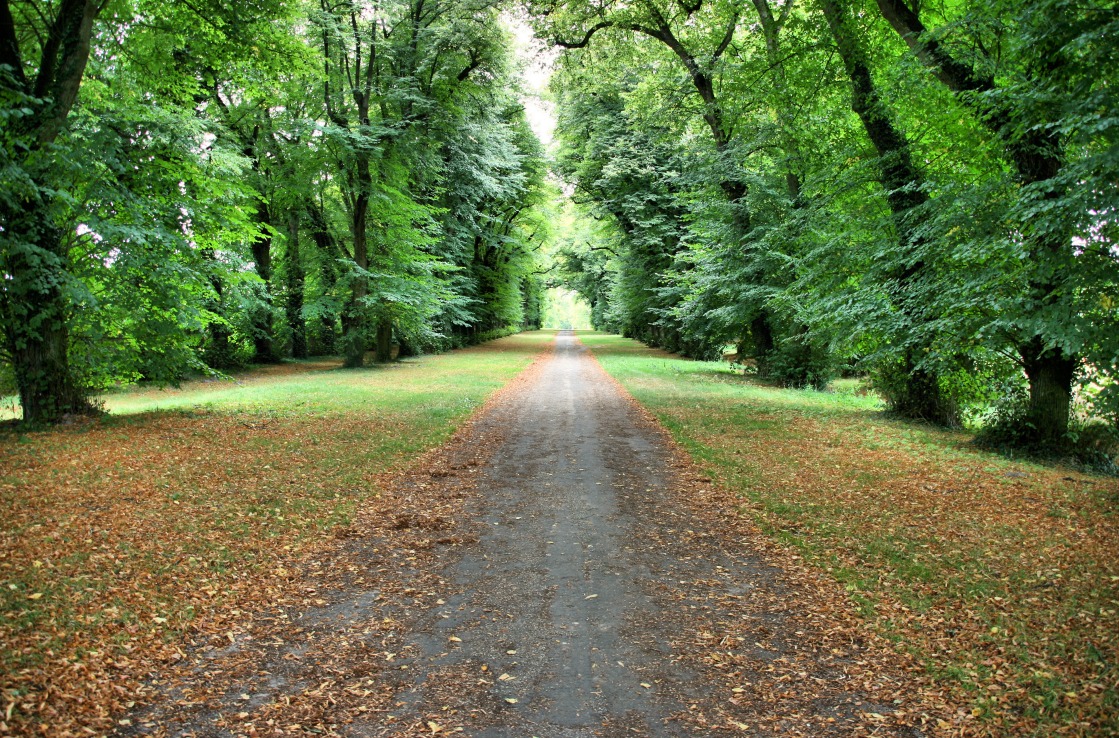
x: 1003, y: 95
x: 43, y: 57
x: 915, y: 390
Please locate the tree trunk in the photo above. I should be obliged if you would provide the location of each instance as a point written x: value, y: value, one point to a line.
x: 384, y: 341
x: 264, y: 350
x: 218, y: 353
x: 762, y: 333
x: 293, y: 303
x: 34, y: 310
x: 921, y: 398
x: 328, y: 254
x: 354, y: 322
x: 1050, y: 372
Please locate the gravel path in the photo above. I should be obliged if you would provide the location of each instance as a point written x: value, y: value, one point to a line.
x: 597, y: 602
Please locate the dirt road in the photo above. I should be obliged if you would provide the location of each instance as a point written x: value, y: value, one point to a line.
x: 575, y: 578
x: 556, y: 597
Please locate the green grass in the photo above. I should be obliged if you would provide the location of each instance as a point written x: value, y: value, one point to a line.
x: 450, y: 385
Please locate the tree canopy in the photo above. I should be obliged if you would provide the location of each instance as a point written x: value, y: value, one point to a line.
x: 925, y: 192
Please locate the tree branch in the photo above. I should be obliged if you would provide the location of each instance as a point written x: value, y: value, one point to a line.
x: 475, y: 62
x: 731, y: 28
x: 959, y: 77
x: 63, y: 64
x: 586, y: 37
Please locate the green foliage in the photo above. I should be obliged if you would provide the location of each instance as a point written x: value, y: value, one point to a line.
x: 994, y: 254
x: 238, y: 182
x: 143, y: 236
x: 799, y: 362
x: 225, y: 193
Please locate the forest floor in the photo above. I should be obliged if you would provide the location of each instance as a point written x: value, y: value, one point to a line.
x: 272, y: 559
x: 127, y: 541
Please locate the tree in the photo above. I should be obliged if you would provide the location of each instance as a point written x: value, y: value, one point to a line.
x: 915, y: 390
x: 42, y: 62
x: 1034, y: 102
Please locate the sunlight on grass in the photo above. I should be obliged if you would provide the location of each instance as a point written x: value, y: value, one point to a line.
x: 322, y: 386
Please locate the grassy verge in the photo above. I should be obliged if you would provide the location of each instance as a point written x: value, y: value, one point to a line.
x: 1001, y: 577
x: 122, y: 536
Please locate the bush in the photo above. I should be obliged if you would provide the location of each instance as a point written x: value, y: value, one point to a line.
x: 798, y: 362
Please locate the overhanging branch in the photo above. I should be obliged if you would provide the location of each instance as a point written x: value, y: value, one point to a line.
x: 586, y: 37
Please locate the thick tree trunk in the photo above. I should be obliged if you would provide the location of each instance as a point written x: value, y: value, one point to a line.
x: 293, y: 303
x: 384, y: 341
x: 218, y: 353
x: 35, y: 312
x: 1051, y: 373
x: 921, y: 398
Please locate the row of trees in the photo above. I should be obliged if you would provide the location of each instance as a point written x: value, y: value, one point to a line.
x: 925, y: 190
x: 200, y: 184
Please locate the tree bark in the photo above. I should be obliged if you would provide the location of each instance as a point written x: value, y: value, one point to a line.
x: 355, y: 320
x: 218, y: 353
x: 384, y: 341
x: 328, y: 254
x: 36, y: 317
x: 762, y: 333
x: 264, y: 350
x: 1050, y: 373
